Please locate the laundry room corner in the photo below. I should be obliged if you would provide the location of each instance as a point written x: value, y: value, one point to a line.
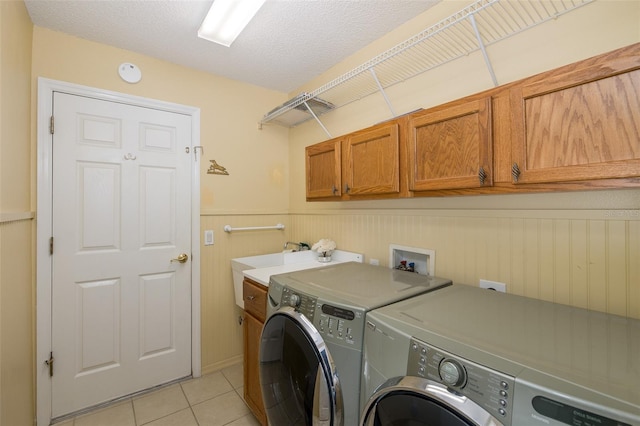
x: 17, y: 227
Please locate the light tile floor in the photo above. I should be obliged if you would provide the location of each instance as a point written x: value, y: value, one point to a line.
x: 212, y: 400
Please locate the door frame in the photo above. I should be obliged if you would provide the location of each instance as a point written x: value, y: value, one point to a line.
x: 46, y: 89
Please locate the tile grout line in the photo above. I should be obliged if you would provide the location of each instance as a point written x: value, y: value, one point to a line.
x: 193, y: 413
x: 228, y: 376
x: 133, y: 408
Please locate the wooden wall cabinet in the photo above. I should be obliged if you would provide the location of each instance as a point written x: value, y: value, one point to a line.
x: 451, y: 147
x: 255, y: 305
x: 359, y: 165
x: 372, y: 161
x: 573, y: 128
x: 581, y: 125
x: 324, y: 169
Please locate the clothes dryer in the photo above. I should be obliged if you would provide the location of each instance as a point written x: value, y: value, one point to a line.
x: 468, y: 356
x: 311, y: 343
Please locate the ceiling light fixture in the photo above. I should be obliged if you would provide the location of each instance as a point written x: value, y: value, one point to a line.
x: 227, y: 18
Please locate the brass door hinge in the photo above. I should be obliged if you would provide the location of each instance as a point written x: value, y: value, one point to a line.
x: 51, y: 246
x: 51, y: 127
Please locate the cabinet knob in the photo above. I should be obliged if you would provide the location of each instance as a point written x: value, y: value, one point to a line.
x: 515, y: 172
x: 251, y: 297
x: 334, y: 190
x: 346, y: 188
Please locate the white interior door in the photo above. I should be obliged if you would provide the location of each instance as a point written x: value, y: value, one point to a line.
x: 121, y: 309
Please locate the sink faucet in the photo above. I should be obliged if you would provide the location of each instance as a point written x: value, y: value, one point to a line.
x: 301, y: 246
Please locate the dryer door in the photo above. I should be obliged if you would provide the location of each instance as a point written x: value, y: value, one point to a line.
x: 420, y: 402
x: 298, y: 378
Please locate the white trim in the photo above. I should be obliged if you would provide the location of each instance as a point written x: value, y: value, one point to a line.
x: 46, y: 88
x: 196, y: 362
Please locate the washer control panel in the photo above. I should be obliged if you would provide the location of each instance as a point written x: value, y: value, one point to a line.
x: 340, y: 325
x: 301, y: 302
x: 488, y: 388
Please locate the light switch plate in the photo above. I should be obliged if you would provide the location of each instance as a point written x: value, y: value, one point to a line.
x: 208, y: 237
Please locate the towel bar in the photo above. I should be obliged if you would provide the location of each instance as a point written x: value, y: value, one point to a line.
x: 228, y: 228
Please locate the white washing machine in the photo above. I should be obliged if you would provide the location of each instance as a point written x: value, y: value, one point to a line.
x: 468, y: 356
x: 311, y: 344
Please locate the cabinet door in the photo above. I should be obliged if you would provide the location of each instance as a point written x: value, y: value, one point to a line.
x: 372, y: 161
x: 451, y: 148
x: 255, y: 298
x: 584, y: 125
x: 323, y: 163
x: 252, y: 390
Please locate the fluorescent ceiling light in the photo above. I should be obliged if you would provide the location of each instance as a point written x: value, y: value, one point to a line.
x: 227, y: 18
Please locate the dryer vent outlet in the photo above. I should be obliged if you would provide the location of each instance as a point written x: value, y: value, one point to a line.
x: 493, y: 285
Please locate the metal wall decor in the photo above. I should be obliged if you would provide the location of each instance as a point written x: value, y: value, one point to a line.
x: 216, y: 169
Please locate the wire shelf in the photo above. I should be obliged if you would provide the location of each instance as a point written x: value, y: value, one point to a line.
x: 481, y: 24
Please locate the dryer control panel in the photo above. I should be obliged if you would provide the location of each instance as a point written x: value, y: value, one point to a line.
x: 488, y: 388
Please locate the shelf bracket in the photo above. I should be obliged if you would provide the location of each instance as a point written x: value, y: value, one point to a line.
x: 317, y: 119
x: 384, y: 94
x: 472, y: 19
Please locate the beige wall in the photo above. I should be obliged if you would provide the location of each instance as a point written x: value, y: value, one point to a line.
x: 573, y: 248
x: 16, y: 227
x: 222, y: 345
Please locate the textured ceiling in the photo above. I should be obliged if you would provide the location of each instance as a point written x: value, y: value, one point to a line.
x: 288, y: 43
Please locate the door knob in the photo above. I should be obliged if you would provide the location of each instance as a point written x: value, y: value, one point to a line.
x: 182, y: 258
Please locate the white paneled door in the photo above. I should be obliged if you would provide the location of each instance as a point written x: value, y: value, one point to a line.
x: 121, y: 302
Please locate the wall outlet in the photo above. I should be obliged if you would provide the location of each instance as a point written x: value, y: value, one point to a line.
x: 493, y: 285
x: 208, y: 237
x: 375, y: 262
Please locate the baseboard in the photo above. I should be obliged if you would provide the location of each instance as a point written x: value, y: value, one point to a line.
x: 212, y: 368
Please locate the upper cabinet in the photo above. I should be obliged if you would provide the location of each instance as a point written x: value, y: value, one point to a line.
x: 372, y: 161
x: 580, y: 125
x: 324, y: 169
x: 364, y: 164
x: 451, y: 147
x: 573, y: 128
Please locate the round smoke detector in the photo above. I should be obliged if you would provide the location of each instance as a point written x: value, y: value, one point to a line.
x: 129, y: 72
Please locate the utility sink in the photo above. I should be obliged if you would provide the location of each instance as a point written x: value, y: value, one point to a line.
x: 264, y: 265
x: 241, y: 264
